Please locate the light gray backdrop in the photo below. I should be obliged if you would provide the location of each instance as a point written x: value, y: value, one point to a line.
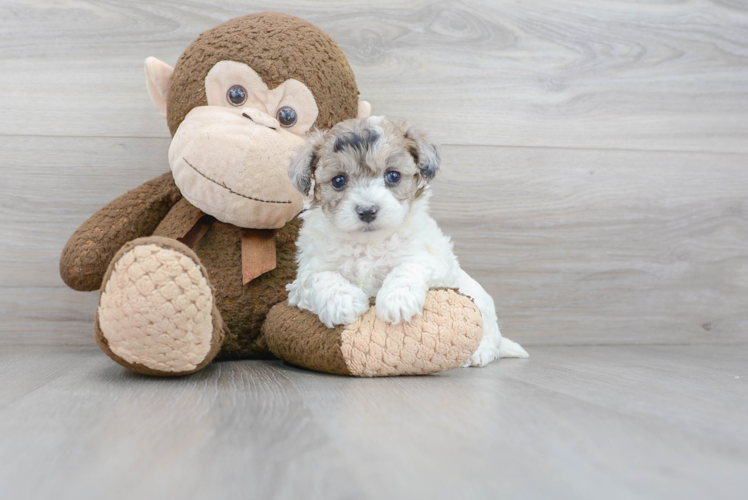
x: 595, y: 154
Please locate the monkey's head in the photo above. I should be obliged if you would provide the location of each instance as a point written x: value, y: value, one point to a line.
x: 238, y: 104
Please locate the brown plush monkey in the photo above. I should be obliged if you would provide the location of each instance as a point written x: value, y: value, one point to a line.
x: 191, y: 263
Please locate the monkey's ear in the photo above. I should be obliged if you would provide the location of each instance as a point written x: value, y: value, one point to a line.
x: 425, y: 153
x: 157, y: 78
x: 364, y: 109
x: 302, y: 166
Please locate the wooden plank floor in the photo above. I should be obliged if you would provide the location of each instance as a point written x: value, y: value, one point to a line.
x: 570, y: 422
x: 594, y: 180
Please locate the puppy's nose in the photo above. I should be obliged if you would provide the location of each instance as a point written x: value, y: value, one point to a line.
x: 367, y: 213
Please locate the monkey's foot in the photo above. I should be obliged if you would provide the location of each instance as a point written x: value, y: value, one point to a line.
x: 444, y: 336
x: 157, y: 313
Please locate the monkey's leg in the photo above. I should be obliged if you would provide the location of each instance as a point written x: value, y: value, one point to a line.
x: 157, y: 314
x: 444, y: 336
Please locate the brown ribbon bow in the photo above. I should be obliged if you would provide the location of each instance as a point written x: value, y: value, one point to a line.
x: 258, y: 246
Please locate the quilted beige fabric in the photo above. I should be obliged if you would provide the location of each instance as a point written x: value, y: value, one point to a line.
x: 443, y: 337
x: 156, y: 310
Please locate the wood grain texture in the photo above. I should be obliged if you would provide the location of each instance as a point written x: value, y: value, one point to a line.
x: 584, y: 422
x: 669, y: 75
x: 594, y: 181
x: 580, y: 246
x: 593, y: 174
x: 576, y: 246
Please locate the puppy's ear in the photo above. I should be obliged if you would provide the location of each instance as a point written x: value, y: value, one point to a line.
x: 425, y: 153
x: 302, y: 166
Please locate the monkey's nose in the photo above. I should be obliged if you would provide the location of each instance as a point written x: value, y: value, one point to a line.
x: 368, y: 213
x: 260, y: 118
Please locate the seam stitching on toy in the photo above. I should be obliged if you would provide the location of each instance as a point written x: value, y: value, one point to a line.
x: 224, y: 186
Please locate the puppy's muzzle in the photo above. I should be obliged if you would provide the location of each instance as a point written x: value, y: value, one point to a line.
x: 367, y: 213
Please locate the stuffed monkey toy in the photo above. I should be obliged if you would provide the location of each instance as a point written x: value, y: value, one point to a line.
x: 192, y: 266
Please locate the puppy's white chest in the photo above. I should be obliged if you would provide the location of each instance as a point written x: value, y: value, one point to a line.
x: 366, y: 266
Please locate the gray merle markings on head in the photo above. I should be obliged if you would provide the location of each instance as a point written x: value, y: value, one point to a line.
x: 353, y: 140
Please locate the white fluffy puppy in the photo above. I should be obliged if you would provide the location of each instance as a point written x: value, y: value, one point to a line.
x: 368, y: 232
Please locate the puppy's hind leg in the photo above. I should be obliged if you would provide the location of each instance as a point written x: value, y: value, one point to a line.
x: 493, y: 346
x: 511, y: 349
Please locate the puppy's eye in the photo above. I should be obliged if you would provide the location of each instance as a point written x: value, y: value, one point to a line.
x: 286, y: 116
x: 392, y: 177
x: 339, y: 182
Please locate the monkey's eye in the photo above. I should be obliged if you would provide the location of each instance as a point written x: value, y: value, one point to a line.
x: 237, y: 95
x: 339, y: 182
x: 286, y: 116
x: 392, y: 177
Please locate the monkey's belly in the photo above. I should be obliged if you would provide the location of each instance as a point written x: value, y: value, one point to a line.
x: 243, y: 307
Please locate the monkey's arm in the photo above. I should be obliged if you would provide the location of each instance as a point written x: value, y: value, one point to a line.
x: 133, y: 215
x: 445, y: 336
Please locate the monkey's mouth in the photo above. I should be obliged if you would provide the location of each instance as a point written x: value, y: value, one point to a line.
x: 224, y: 186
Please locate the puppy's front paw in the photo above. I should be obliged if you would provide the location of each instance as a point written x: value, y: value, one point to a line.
x: 396, y: 304
x: 344, y: 307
